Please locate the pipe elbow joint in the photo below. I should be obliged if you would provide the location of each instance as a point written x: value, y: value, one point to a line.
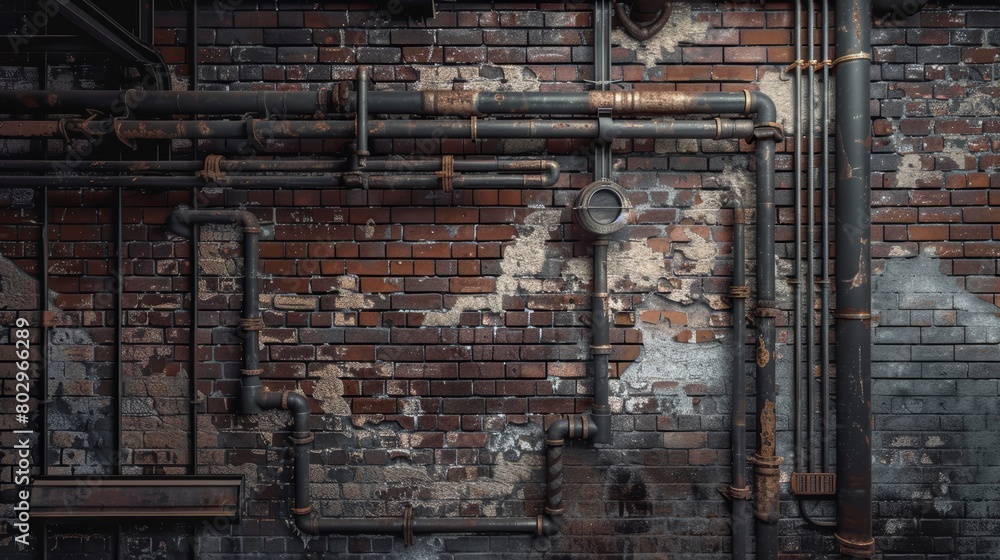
x: 558, y: 430
x: 179, y: 222
x: 763, y: 106
x: 307, y: 523
x: 246, y: 219
x: 551, y: 172
x: 550, y: 524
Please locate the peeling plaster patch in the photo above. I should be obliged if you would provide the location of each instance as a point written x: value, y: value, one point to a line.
x: 515, y: 78
x: 329, y: 388
x: 680, y: 28
x: 18, y: 290
x: 911, y: 172
x: 665, y: 367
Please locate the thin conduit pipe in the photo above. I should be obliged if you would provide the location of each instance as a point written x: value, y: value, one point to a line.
x: 809, y: 286
x: 796, y: 279
x: 45, y: 323
x: 739, y: 492
x: 824, y: 321
x: 119, y: 280
x: 195, y: 294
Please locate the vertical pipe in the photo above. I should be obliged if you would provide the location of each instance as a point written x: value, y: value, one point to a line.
x: 195, y: 295
x: 600, y: 344
x: 602, y: 79
x: 824, y: 320
x: 853, y: 277
x: 195, y: 275
x: 811, y: 240
x: 119, y: 293
x: 739, y: 491
x: 362, y: 114
x: 766, y: 461
x: 797, y: 278
x: 45, y: 320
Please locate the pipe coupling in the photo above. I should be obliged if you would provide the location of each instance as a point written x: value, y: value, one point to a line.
x: 251, y: 372
x: 302, y: 441
x: 767, y: 487
x: 856, y: 549
x: 302, y: 510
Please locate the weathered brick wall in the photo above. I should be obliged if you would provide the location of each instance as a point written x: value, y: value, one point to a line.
x: 436, y: 331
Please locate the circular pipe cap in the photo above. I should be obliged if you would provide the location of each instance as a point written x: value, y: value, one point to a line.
x: 603, y: 207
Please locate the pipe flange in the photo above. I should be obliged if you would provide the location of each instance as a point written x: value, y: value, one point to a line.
x: 302, y: 510
x: 302, y: 441
x: 554, y: 511
x: 858, y: 316
x: 251, y: 372
x: 767, y: 464
x: 600, y: 349
x: 284, y: 399
x: 555, y: 442
x: 856, y: 549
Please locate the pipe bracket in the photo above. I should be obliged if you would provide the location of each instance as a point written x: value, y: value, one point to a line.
x: 733, y: 493
x: 447, y: 173
x: 770, y: 130
x: 408, y: 539
x: 212, y: 173
x: 739, y: 292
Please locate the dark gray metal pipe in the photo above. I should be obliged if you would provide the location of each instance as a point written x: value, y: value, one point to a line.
x: 739, y: 492
x: 852, y: 21
x: 766, y: 461
x: 119, y: 280
x: 165, y: 103
x: 796, y: 279
x: 824, y: 318
x: 262, y: 130
x: 600, y: 343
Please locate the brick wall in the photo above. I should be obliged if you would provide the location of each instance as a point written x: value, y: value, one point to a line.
x: 435, y: 332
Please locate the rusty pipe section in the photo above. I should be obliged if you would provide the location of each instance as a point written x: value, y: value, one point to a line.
x: 483, y: 103
x: 852, y: 270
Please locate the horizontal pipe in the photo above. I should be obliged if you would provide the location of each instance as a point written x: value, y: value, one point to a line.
x: 165, y: 103
x: 395, y: 525
x: 261, y: 130
x: 360, y: 180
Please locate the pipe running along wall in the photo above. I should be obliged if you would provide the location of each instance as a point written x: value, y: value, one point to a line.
x: 852, y: 20
x: 253, y: 399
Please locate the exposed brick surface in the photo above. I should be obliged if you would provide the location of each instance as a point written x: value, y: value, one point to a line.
x: 436, y: 333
